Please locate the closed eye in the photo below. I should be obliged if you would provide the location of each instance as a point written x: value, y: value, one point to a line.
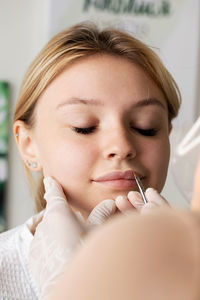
x: 147, y: 132
x: 88, y: 130
x: 84, y: 130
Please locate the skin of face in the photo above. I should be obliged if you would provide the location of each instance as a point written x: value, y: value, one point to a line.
x: 102, y: 114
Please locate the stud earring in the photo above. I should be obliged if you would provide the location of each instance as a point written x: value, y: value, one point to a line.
x: 34, y: 165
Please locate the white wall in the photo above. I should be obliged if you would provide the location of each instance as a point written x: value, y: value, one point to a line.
x: 23, y: 32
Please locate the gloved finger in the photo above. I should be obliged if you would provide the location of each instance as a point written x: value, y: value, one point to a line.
x: 56, y: 199
x: 155, y: 200
x: 102, y: 212
x: 53, y: 190
x: 58, y: 213
x: 123, y: 204
x: 136, y: 199
x: 153, y: 196
x: 148, y: 208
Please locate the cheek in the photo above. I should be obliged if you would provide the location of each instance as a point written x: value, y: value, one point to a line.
x: 68, y: 162
x: 157, y: 160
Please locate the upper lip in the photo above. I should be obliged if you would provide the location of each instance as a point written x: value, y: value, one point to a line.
x: 116, y: 175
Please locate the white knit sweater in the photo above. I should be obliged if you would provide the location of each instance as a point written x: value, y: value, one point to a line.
x: 16, y: 281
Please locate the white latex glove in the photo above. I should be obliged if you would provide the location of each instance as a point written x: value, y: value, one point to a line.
x: 59, y: 234
x: 135, y: 201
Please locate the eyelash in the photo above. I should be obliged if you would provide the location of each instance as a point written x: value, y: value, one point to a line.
x: 86, y: 130
x: 147, y: 132
x: 89, y: 130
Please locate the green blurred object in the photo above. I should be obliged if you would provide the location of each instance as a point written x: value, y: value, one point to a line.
x: 4, y: 123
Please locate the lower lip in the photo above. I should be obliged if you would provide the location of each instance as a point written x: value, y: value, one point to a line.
x: 121, y: 184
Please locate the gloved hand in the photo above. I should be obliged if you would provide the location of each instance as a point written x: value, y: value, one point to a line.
x: 59, y: 234
x: 135, y: 201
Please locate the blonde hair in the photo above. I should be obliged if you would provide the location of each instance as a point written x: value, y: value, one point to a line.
x: 83, y: 40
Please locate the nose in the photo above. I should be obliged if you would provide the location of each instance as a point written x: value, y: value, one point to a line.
x: 119, y: 145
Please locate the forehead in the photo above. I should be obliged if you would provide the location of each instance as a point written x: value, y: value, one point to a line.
x: 102, y: 77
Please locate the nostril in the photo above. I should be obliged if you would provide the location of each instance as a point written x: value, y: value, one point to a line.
x: 122, y: 155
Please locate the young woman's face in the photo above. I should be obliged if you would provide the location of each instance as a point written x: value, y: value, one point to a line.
x: 101, y: 116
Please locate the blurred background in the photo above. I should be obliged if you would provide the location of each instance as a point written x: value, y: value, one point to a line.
x: 171, y: 27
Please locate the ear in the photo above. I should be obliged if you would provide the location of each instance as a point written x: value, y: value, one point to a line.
x: 26, y: 145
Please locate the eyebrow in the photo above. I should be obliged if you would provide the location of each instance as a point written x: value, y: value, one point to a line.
x: 97, y: 102
x: 150, y: 101
x: 75, y: 100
